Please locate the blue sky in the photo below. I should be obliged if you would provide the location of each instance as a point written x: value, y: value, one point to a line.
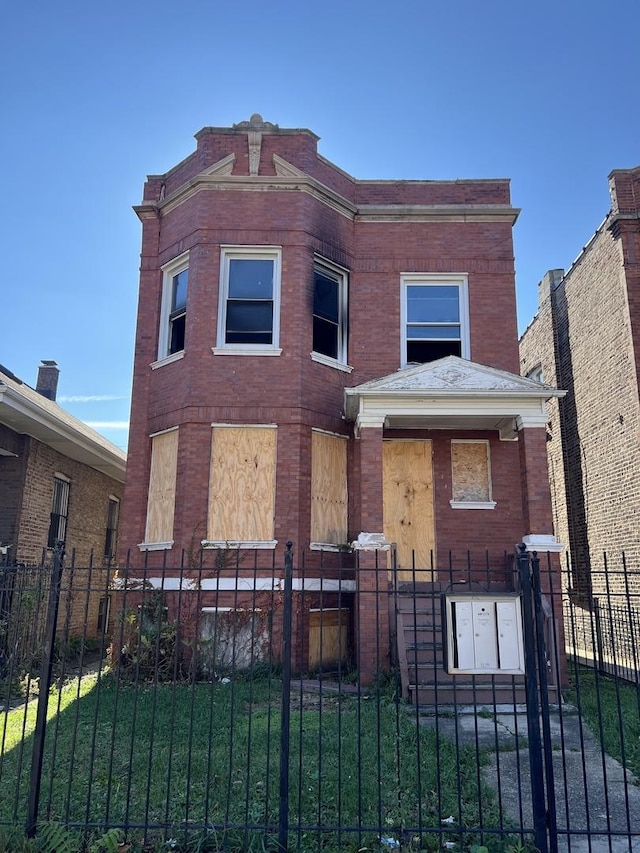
x: 95, y: 96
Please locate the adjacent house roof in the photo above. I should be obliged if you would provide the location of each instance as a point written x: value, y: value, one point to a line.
x: 26, y: 411
x: 451, y: 393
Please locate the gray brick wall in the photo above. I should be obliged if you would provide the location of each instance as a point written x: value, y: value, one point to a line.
x: 582, y: 336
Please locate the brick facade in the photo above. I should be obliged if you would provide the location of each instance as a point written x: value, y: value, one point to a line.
x: 290, y: 197
x: 28, y: 466
x: 584, y: 337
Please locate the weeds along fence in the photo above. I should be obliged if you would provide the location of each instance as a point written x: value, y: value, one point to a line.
x: 320, y: 702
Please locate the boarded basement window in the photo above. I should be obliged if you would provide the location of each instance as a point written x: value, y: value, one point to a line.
x: 162, y: 488
x: 242, y: 485
x: 471, y: 475
x: 328, y: 489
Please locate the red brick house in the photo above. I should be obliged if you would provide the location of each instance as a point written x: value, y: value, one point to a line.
x: 328, y: 360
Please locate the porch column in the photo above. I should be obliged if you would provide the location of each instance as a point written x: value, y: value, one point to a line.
x: 538, y: 524
x: 372, y: 627
x: 371, y: 520
x: 537, y: 512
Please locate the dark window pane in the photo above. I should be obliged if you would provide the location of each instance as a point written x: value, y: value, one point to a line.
x: 264, y: 338
x: 326, y: 298
x: 433, y: 332
x: 422, y: 351
x: 112, y: 525
x: 250, y: 279
x: 110, y: 542
x: 433, y: 304
x: 57, y: 529
x: 176, y: 334
x: 179, y: 296
x: 245, y: 316
x: 325, y: 337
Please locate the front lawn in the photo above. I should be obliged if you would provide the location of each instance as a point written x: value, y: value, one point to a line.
x: 611, y: 707
x: 183, y: 758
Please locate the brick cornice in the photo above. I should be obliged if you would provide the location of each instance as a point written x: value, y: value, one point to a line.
x: 291, y: 179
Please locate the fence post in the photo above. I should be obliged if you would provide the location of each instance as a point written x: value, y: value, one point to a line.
x: 544, y: 703
x: 536, y: 766
x: 283, y: 814
x: 43, y: 691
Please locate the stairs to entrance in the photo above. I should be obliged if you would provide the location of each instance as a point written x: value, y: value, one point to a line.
x: 421, y: 657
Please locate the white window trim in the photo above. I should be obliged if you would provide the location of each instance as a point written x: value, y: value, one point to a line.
x: 472, y: 504
x: 175, y: 356
x: 331, y: 362
x: 490, y: 504
x: 155, y: 546
x: 334, y: 270
x: 228, y: 253
x: 255, y: 544
x: 413, y: 278
x: 169, y: 270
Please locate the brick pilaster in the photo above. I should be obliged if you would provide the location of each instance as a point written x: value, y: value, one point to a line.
x: 536, y: 497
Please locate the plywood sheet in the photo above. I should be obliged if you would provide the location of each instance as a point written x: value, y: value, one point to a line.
x: 328, y: 638
x: 408, y: 505
x: 162, y: 487
x: 328, y: 489
x: 470, y: 469
x: 242, y: 484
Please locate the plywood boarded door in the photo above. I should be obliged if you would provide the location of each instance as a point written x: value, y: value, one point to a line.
x: 408, y: 506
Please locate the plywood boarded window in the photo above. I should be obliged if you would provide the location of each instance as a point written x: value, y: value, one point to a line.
x: 162, y: 487
x: 328, y: 489
x: 471, y: 475
x: 242, y: 484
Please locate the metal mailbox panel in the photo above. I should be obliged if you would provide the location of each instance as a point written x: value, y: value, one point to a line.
x: 485, y: 645
x: 483, y: 634
x: 509, y: 627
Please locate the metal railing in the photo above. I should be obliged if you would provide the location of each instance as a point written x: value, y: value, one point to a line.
x: 259, y: 705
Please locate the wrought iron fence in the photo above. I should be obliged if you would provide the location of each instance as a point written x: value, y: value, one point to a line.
x: 319, y: 702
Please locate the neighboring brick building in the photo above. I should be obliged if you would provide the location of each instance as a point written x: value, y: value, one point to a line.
x: 585, y: 338
x: 59, y: 479
x: 326, y: 359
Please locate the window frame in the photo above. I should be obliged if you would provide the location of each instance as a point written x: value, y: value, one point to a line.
x: 111, y: 532
x: 467, y: 504
x: 459, y: 280
x: 318, y: 543
x: 169, y: 272
x: 536, y: 374
x: 213, y: 519
x: 228, y: 254
x: 62, y: 518
x: 341, y: 276
x: 155, y: 474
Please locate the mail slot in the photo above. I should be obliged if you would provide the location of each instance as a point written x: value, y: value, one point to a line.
x: 483, y: 634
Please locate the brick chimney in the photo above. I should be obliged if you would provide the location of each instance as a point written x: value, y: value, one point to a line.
x: 47, y: 383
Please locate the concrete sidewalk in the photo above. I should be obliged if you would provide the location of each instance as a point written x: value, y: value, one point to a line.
x: 594, y: 795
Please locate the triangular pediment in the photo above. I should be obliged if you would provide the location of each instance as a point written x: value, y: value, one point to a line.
x: 451, y: 393
x: 221, y: 168
x: 453, y: 374
x: 284, y: 169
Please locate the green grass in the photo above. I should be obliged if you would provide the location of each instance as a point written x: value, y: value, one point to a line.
x: 614, y: 709
x: 209, y: 754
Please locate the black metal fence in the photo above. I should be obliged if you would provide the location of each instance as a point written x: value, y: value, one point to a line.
x: 321, y: 702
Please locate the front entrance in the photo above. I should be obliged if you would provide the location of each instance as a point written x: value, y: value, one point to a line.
x: 408, y: 506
